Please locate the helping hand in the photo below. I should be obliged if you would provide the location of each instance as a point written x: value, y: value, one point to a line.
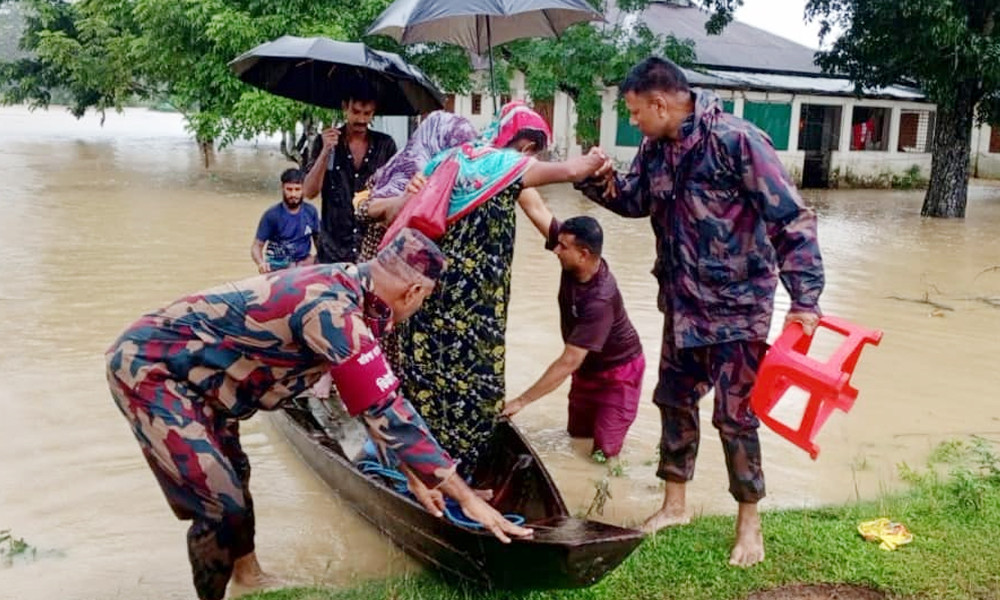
x: 589, y: 164
x: 808, y: 320
x: 416, y: 184
x: 478, y: 510
x: 512, y: 407
x: 607, y: 165
x: 605, y: 172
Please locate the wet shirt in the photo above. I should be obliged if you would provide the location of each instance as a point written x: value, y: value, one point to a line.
x: 592, y: 316
x: 340, y: 238
x: 728, y: 223
x: 251, y: 344
x: 288, y: 235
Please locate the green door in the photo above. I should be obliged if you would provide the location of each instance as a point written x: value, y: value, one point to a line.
x: 773, y: 118
x: 627, y: 134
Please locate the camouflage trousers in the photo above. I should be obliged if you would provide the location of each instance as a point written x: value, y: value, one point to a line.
x: 688, y: 374
x: 196, y: 457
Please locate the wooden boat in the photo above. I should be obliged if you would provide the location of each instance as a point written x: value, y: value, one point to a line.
x: 565, y: 552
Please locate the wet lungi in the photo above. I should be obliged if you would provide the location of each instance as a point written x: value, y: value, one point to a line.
x: 603, y: 405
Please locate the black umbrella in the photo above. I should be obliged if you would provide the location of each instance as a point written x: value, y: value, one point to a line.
x: 324, y: 72
x: 479, y: 24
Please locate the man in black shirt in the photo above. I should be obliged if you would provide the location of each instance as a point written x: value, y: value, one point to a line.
x: 343, y: 160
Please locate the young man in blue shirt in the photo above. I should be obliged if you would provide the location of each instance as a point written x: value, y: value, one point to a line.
x: 285, y: 232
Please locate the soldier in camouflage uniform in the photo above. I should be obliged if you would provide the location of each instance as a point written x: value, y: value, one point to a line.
x: 184, y: 375
x: 728, y: 223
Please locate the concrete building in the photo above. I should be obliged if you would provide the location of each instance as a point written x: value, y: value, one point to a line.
x: 822, y: 130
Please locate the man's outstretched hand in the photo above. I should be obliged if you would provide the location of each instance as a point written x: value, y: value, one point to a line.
x: 478, y: 510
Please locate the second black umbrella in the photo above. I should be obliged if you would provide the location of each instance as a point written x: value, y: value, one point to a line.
x: 325, y: 72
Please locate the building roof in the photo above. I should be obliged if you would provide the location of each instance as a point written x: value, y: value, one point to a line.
x: 799, y: 84
x: 744, y: 57
x: 739, y: 46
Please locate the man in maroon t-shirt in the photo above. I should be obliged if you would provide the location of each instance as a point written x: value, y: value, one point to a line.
x: 602, y: 350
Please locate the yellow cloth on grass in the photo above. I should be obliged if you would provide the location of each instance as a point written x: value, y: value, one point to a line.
x: 889, y: 533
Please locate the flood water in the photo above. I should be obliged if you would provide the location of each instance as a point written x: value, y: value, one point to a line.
x: 100, y: 224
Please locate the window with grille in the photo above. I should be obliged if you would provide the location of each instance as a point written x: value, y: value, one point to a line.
x: 870, y: 128
x: 916, y: 131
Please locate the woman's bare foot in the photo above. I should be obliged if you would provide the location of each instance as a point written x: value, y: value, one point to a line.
x: 673, y: 512
x: 248, y: 575
x: 749, y: 547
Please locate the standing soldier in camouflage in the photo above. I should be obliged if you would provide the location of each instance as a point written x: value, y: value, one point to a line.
x: 185, y: 374
x: 728, y: 222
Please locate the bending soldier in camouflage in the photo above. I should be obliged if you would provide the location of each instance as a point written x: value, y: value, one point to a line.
x: 183, y: 375
x: 727, y: 220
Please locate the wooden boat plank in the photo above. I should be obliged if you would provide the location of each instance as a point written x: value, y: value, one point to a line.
x: 564, y: 552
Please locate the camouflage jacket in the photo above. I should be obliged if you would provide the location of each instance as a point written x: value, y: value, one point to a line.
x: 727, y: 221
x: 251, y: 344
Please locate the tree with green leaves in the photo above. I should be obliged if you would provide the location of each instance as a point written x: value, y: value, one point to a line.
x: 108, y: 53
x: 589, y: 57
x: 73, y: 48
x: 105, y: 54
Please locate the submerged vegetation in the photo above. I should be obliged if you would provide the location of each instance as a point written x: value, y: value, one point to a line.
x: 952, y: 507
x: 12, y: 548
x: 911, y: 179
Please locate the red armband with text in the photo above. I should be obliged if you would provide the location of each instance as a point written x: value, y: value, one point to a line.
x: 364, y: 380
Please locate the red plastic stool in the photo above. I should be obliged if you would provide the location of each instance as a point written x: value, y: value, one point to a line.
x: 827, y: 383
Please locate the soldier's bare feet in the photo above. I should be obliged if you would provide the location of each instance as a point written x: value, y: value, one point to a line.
x: 673, y: 512
x: 749, y: 547
x: 248, y: 575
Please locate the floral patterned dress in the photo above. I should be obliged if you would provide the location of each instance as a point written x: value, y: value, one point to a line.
x: 453, y: 349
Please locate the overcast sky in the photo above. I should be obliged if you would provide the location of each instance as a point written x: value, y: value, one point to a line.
x: 781, y: 17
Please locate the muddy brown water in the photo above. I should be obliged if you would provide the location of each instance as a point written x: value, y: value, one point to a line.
x: 98, y: 225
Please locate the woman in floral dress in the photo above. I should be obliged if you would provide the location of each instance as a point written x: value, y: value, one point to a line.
x: 453, y: 349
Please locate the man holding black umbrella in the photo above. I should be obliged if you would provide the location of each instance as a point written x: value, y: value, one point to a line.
x: 343, y: 160
x: 358, y: 80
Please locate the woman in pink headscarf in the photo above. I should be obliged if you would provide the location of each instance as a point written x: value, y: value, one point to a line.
x: 500, y: 156
x: 452, y: 350
x: 439, y: 131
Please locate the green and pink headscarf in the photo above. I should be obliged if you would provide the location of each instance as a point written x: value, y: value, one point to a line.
x: 487, y: 167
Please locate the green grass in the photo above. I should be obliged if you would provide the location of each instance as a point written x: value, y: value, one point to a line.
x: 952, y: 509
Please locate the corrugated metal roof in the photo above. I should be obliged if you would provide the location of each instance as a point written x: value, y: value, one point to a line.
x: 700, y: 79
x: 747, y: 58
x: 827, y: 86
x: 739, y: 46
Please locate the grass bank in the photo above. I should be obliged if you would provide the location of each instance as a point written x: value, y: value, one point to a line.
x: 952, y: 508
